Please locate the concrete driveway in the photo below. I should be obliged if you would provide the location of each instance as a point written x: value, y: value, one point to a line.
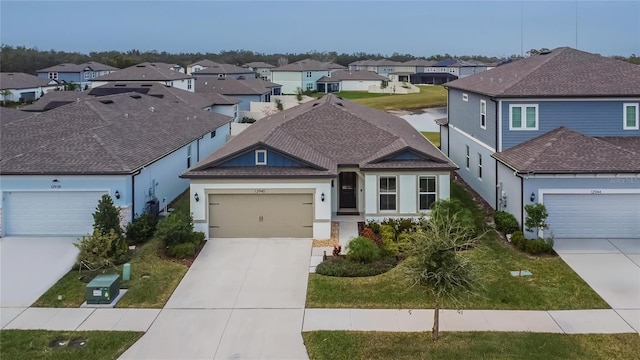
x: 241, y: 299
x: 29, y: 266
x: 611, y: 267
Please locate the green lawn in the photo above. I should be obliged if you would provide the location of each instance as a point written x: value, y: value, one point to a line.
x: 554, y: 285
x: 434, y: 137
x: 429, y: 96
x: 35, y: 344
x: 153, y: 280
x: 338, y: 345
x: 181, y: 203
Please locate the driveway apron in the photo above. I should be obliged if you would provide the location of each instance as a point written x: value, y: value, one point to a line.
x: 29, y: 266
x: 241, y: 299
x: 611, y: 267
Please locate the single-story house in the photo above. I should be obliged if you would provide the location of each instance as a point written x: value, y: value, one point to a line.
x: 21, y: 87
x: 148, y: 73
x: 242, y: 89
x: 290, y: 174
x: 57, y: 164
x: 349, y: 80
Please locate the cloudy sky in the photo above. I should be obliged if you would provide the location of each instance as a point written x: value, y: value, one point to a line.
x: 421, y: 28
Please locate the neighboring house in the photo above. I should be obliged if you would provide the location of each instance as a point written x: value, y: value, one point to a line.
x: 148, y: 73
x: 245, y: 90
x: 348, y: 80
x: 262, y: 69
x: 503, y: 131
x: 302, y: 74
x: 21, y: 87
x: 217, y: 103
x: 382, y: 67
x: 197, y: 66
x: 56, y: 165
x: 290, y: 174
x: 222, y: 70
x: 80, y: 74
x: 448, y: 70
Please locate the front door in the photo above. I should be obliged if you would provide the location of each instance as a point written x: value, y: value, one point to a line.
x: 348, y: 190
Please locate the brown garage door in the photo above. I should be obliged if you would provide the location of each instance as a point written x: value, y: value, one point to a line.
x: 260, y: 215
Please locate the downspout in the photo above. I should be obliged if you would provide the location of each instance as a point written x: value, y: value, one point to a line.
x: 133, y: 194
x: 495, y: 161
x: 449, y: 130
x: 522, y: 203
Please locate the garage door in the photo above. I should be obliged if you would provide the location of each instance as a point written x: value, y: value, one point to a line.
x: 55, y: 213
x: 594, y: 216
x: 261, y: 215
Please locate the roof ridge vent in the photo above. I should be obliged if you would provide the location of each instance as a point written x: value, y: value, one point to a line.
x: 107, y: 101
x: 136, y: 96
x: 546, y: 52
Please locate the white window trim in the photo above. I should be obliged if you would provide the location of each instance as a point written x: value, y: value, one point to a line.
x: 479, y: 167
x: 483, y: 103
x: 388, y: 193
x: 465, y: 97
x: 468, y: 156
x: 427, y: 192
x: 624, y: 117
x: 524, y: 117
x: 264, y: 153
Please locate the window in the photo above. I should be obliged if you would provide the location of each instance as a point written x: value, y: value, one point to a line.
x: 188, y: 84
x: 483, y: 114
x: 308, y: 73
x: 523, y: 117
x: 53, y: 75
x: 480, y: 166
x: 465, y: 97
x: 387, y: 191
x: 261, y: 157
x: 309, y: 86
x: 189, y: 156
x: 87, y: 75
x: 426, y: 192
x: 467, y: 153
x: 630, y: 117
x: 213, y: 134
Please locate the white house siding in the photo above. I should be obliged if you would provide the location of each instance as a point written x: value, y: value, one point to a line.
x: 66, y: 183
x: 444, y: 139
x: 407, y: 194
x: 290, y: 80
x: 486, y: 186
x: 510, y: 194
x: 210, y: 144
x: 357, y: 85
x: 17, y: 94
x: 228, y: 110
x: 322, y: 209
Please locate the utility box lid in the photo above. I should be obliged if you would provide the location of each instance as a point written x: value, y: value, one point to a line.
x: 104, y: 280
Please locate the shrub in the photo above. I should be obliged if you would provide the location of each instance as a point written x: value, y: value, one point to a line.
x: 456, y: 210
x: 368, y: 233
x: 96, y: 249
x: 182, y: 251
x: 107, y: 216
x: 141, y: 229
x: 374, y: 225
x: 177, y: 229
x: 248, y: 120
x: 517, y: 238
x: 363, y: 250
x: 337, y: 250
x: 505, y: 222
x: 403, y: 245
x: 534, y: 246
x: 340, y: 266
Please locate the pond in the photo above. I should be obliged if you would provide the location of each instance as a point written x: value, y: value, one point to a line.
x: 423, y: 119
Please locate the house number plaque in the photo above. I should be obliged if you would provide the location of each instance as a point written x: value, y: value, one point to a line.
x: 260, y: 191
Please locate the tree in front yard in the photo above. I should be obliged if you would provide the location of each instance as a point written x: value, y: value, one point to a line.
x: 106, y: 220
x: 536, y: 219
x: 436, y: 262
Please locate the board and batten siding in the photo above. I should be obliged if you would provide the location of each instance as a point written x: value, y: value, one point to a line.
x: 465, y: 115
x: 322, y: 209
x: 406, y: 194
x: 589, y: 117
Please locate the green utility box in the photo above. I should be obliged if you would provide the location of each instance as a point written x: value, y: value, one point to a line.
x: 103, y: 289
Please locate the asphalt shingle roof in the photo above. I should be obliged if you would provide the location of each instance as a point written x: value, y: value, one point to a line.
x: 231, y: 86
x: 339, y: 75
x: 325, y: 134
x: 17, y: 80
x: 223, y: 69
x: 564, y: 151
x: 145, y: 72
x: 259, y: 65
x: 562, y: 72
x: 116, y: 134
x: 68, y: 67
x: 309, y: 65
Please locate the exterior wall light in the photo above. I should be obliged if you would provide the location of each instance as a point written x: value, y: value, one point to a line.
x: 196, y: 197
x: 117, y: 194
x: 322, y: 197
x: 533, y: 197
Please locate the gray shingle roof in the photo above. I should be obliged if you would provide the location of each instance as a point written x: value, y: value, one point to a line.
x: 380, y: 62
x: 223, y: 69
x: 419, y: 62
x: 68, y: 67
x: 145, y: 72
x: 17, y: 80
x: 54, y: 99
x: 231, y: 86
x: 10, y: 114
x: 116, y: 134
x: 309, y: 65
x: 339, y: 75
x: 564, y: 151
x: 325, y: 134
x: 259, y: 65
x: 562, y: 72
x: 204, y: 63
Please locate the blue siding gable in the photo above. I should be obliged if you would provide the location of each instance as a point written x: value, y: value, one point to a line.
x: 592, y: 118
x: 273, y: 159
x: 405, y: 155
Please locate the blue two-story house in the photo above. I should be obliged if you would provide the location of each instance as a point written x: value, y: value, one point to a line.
x: 79, y: 74
x: 560, y: 128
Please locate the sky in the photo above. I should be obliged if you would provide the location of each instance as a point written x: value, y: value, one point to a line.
x: 420, y: 28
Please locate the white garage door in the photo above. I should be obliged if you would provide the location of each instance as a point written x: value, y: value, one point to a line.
x: 53, y: 213
x: 261, y: 216
x: 593, y: 216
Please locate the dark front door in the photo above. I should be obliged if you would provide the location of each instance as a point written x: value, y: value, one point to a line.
x: 348, y: 190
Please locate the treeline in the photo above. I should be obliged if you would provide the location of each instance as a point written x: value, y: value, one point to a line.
x: 29, y: 60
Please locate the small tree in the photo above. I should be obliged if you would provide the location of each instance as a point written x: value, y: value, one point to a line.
x: 299, y: 93
x: 70, y: 86
x: 536, y: 219
x: 106, y: 219
x: 279, y: 105
x: 436, y: 263
x: 4, y: 94
x: 384, y: 84
x: 96, y: 250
